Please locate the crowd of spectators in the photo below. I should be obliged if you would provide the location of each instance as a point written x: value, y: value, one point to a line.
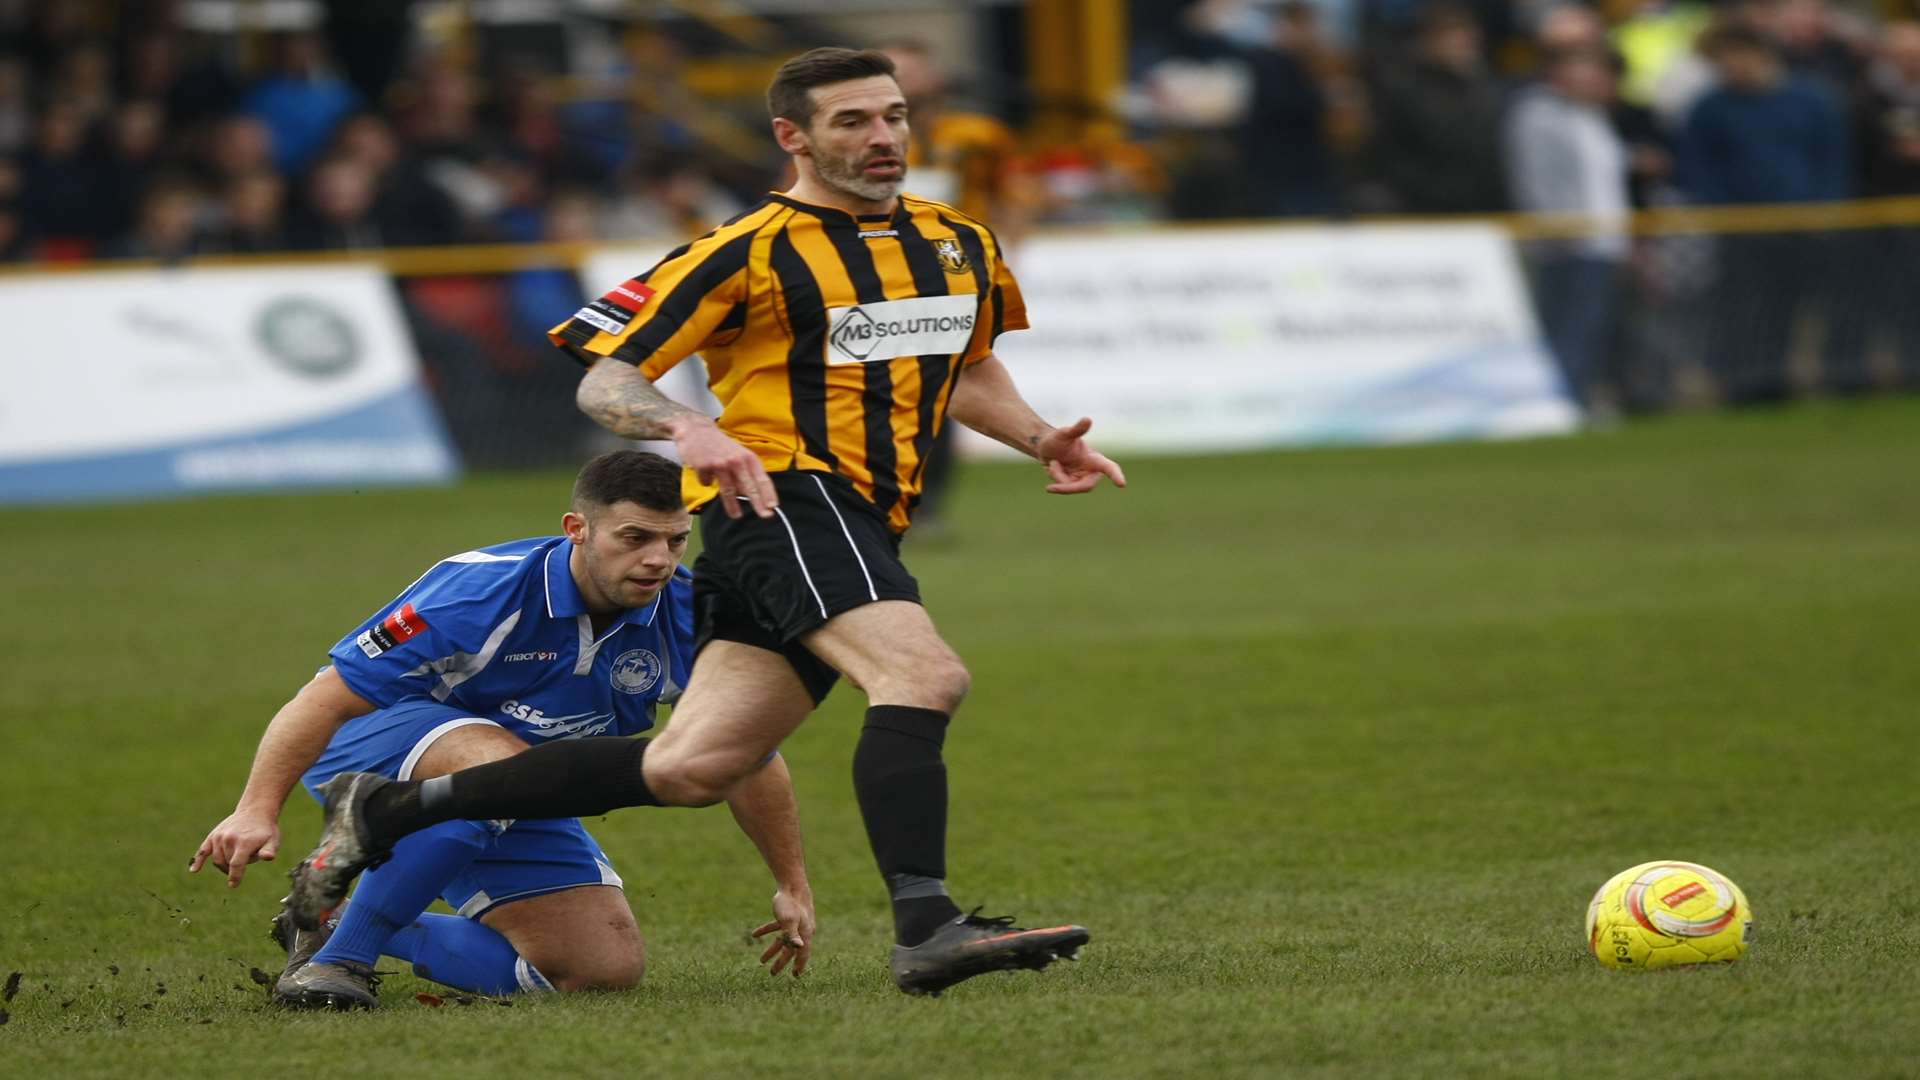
x: 1454, y: 106
x: 148, y: 141
x: 137, y: 138
x: 1406, y: 106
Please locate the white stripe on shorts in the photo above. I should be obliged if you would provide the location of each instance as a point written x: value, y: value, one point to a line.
x: 857, y: 557
x: 802, y: 561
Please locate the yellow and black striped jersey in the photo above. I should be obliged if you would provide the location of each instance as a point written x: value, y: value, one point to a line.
x: 832, y: 341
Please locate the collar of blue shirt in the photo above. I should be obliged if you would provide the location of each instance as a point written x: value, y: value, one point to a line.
x: 563, y: 595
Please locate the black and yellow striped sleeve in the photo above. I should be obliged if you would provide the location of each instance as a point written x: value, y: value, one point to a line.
x: 658, y: 319
x: 1009, y: 308
x: 1003, y: 307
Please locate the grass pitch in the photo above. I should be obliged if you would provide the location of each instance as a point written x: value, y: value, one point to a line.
x: 1328, y: 748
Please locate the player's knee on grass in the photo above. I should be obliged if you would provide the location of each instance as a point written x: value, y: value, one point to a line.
x: 613, y: 961
x: 578, y: 939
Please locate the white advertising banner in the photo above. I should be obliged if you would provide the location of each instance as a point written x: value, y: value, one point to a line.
x: 1195, y: 340
x: 1189, y: 340
x: 153, y: 382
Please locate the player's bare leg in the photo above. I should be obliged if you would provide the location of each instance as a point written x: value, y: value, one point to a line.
x: 579, y: 939
x: 891, y: 650
x: 741, y: 704
x: 465, y: 747
x: 914, y: 682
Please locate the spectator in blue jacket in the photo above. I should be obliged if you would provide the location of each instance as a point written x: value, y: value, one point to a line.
x: 1763, y: 135
x: 301, y: 101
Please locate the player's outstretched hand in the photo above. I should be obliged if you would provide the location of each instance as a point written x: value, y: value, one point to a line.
x: 234, y: 843
x: 1074, y: 466
x: 717, y: 459
x: 793, y: 919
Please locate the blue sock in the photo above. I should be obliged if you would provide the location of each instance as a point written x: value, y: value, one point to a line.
x: 466, y: 955
x: 395, y: 894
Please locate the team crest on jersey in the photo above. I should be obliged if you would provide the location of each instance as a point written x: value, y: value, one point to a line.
x: 953, y: 257
x: 636, y: 671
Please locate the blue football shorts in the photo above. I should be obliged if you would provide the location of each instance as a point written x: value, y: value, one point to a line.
x: 526, y: 858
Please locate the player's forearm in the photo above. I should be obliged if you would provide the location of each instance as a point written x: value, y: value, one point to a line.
x: 622, y: 400
x: 764, y: 807
x: 295, y: 739
x: 987, y: 401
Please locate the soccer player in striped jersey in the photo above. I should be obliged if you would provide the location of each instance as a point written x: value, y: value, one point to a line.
x: 843, y: 322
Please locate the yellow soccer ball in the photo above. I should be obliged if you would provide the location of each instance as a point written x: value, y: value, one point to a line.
x: 1668, y: 913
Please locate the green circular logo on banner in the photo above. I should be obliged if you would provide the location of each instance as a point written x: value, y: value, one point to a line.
x: 308, y: 337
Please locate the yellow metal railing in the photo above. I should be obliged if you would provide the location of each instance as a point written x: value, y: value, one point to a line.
x: 1668, y: 221
x: 1888, y: 212
x: 445, y: 260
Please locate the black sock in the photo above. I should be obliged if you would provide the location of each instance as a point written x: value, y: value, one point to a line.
x: 901, y: 782
x: 560, y: 779
x: 915, y: 920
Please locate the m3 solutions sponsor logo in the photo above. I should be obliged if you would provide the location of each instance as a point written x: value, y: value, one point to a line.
x: 927, y: 325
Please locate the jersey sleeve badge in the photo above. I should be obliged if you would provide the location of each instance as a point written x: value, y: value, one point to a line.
x: 391, y: 632
x: 614, y: 310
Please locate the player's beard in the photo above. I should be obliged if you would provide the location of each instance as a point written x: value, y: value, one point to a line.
x: 848, y: 175
x: 616, y: 589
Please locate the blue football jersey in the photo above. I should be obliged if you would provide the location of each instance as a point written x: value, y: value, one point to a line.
x: 503, y: 634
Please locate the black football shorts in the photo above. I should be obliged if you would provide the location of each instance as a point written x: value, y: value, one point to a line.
x: 767, y: 581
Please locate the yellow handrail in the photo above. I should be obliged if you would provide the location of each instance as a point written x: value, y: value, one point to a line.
x: 443, y: 260
x: 1665, y: 221
x: 1899, y: 210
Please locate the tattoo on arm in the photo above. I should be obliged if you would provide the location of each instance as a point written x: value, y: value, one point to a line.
x: 630, y: 407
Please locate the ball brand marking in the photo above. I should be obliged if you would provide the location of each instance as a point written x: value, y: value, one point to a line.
x: 1670, y: 924
x: 1683, y: 894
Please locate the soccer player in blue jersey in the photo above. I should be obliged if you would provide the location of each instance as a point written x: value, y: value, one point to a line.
x: 488, y: 652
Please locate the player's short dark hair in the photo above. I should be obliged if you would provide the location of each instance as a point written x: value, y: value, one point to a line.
x: 787, y: 95
x: 629, y: 476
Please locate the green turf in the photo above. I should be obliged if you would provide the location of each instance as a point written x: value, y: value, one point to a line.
x: 1328, y: 748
